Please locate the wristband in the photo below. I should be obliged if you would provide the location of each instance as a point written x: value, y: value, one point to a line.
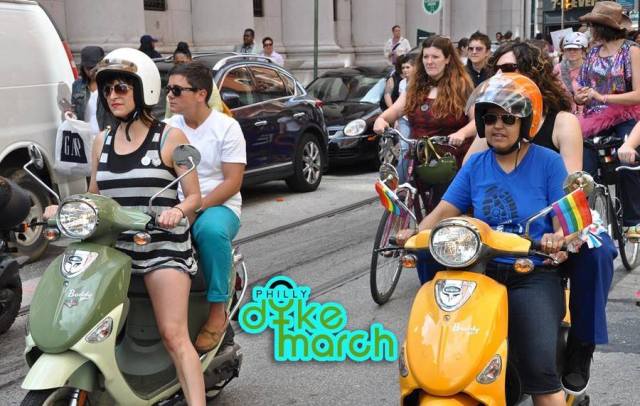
x: 176, y: 207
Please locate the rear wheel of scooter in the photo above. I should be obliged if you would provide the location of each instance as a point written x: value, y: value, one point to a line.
x: 10, y: 300
x: 53, y: 397
x: 386, y: 266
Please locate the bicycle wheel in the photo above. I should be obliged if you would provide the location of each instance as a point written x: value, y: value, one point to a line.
x: 386, y: 266
x: 629, y: 249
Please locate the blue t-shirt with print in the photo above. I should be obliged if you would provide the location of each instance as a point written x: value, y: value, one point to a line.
x: 506, y: 200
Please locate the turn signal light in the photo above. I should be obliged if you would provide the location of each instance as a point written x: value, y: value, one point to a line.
x: 142, y: 238
x: 51, y: 234
x: 409, y: 261
x: 523, y: 265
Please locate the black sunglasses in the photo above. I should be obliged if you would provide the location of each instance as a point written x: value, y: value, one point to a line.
x: 492, y: 118
x: 118, y: 88
x: 268, y: 44
x: 476, y: 49
x: 177, y: 90
x: 507, y: 67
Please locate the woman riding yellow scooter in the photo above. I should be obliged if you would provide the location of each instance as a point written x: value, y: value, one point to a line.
x: 504, y: 186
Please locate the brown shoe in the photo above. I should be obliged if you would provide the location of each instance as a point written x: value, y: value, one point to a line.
x: 207, y: 339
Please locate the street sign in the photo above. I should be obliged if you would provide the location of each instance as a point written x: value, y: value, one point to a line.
x: 432, y: 7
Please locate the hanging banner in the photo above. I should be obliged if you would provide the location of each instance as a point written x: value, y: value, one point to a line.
x: 432, y: 7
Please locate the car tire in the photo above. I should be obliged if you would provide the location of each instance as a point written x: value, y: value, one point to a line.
x: 32, y: 242
x: 307, y: 165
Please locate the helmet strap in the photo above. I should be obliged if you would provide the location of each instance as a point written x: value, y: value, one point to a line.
x: 129, y: 121
x: 515, y: 147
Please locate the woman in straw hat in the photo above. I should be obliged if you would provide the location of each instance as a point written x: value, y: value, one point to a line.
x: 610, y: 80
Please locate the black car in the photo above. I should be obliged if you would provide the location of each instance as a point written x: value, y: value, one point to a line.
x: 351, y: 98
x: 283, y: 127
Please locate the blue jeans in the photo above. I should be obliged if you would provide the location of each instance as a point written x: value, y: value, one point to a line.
x: 213, y: 232
x: 629, y: 181
x: 403, y: 162
x: 536, y: 308
x: 590, y: 273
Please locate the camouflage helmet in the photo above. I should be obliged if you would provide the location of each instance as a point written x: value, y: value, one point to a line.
x: 514, y: 93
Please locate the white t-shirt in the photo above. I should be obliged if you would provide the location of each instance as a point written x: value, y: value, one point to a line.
x: 219, y: 139
x: 90, y: 113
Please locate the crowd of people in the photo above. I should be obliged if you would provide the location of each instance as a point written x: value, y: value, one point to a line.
x: 527, y: 118
x: 513, y: 138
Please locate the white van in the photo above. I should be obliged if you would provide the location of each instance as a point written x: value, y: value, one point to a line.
x: 35, y: 74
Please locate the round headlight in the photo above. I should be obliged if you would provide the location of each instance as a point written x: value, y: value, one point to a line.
x: 455, y: 246
x: 355, y: 127
x: 77, y: 219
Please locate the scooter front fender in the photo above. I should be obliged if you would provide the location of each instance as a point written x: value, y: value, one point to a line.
x: 455, y: 400
x: 53, y: 370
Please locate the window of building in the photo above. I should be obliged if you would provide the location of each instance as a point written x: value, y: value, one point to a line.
x: 155, y: 5
x: 258, y: 8
x: 335, y: 10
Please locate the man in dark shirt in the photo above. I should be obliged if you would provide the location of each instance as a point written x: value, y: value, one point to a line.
x: 478, y: 53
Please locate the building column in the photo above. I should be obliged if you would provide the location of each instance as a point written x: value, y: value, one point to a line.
x: 170, y: 26
x: 297, y: 37
x: 120, y: 23
x: 270, y: 25
x: 371, y: 24
x: 219, y: 24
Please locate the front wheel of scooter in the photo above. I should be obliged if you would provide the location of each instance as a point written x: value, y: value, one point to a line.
x: 55, y: 397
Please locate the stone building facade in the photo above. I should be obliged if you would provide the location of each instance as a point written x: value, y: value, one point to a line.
x: 351, y: 32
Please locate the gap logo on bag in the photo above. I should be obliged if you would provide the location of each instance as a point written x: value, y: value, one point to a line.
x: 72, y: 148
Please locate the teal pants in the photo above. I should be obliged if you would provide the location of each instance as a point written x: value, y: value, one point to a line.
x: 213, y: 232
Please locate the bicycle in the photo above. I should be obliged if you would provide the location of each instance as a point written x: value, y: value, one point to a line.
x: 606, y: 203
x: 417, y: 200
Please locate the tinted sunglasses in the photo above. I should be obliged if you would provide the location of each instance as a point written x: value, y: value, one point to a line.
x: 476, y: 49
x: 268, y: 44
x: 177, y: 90
x: 507, y: 67
x: 119, y: 89
x: 492, y: 118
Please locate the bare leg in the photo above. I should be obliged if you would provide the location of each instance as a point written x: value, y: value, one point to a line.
x: 552, y: 399
x: 169, y: 293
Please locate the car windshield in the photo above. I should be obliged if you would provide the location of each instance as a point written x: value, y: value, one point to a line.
x: 354, y: 88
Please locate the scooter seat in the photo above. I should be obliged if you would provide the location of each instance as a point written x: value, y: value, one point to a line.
x: 138, y: 288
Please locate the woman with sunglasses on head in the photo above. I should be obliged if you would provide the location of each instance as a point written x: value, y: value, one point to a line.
x: 610, y: 80
x: 503, y: 186
x: 590, y: 270
x: 435, y: 98
x: 131, y: 163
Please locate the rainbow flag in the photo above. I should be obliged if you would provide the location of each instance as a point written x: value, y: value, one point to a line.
x: 573, y: 212
x: 387, y: 198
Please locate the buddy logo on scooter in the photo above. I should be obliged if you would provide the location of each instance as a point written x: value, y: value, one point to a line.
x: 92, y: 332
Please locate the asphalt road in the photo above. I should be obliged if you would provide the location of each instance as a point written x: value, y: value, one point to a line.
x: 331, y: 256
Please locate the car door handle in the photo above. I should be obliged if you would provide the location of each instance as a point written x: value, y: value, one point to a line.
x: 260, y: 123
x: 298, y: 115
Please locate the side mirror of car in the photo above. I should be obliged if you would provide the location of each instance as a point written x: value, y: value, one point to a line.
x: 231, y: 98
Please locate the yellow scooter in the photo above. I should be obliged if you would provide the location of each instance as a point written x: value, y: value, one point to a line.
x: 456, y: 348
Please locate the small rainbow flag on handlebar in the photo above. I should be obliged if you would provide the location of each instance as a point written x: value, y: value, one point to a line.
x: 387, y: 198
x: 573, y: 212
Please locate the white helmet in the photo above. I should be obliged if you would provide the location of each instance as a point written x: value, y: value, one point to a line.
x: 575, y: 40
x: 133, y: 64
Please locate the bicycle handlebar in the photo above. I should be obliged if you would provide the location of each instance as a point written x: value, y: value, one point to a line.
x: 391, y: 132
x: 628, y: 168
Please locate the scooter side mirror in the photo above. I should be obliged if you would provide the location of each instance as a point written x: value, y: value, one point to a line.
x: 579, y: 180
x: 37, y: 160
x: 36, y: 157
x: 186, y: 155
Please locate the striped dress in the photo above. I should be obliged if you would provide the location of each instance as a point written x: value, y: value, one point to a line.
x: 131, y: 180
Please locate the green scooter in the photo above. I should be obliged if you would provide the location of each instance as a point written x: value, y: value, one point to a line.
x: 91, y: 335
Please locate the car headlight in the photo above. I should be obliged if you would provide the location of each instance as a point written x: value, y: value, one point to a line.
x: 455, y: 244
x: 355, y: 127
x: 77, y: 219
